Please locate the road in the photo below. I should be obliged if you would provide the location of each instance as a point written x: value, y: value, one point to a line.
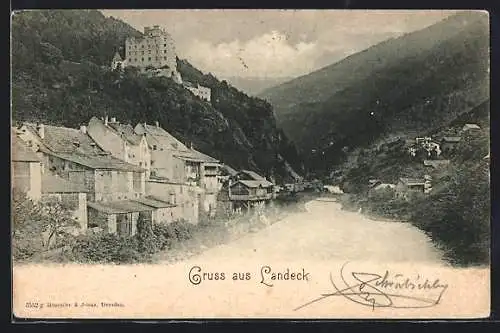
x: 326, y: 232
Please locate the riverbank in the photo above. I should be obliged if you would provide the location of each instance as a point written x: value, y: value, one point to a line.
x: 445, y: 222
x: 220, y: 232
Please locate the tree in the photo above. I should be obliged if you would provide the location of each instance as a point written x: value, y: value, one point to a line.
x: 145, y: 236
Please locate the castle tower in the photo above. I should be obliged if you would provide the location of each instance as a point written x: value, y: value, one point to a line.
x: 155, y: 49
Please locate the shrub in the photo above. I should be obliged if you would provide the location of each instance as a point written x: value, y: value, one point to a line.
x: 106, y: 248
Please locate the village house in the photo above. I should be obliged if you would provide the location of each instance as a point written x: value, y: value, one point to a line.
x: 448, y: 143
x: 121, y: 141
x: 406, y: 186
x: 250, y: 190
x: 117, y: 63
x: 180, y: 170
x: 26, y: 169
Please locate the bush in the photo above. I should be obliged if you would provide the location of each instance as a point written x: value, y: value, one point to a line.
x: 169, y: 234
x: 106, y: 248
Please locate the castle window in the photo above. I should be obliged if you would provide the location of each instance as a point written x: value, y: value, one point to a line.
x: 149, y: 51
x: 142, y: 46
x: 165, y: 58
x: 149, y: 58
x: 142, y: 59
x: 165, y: 45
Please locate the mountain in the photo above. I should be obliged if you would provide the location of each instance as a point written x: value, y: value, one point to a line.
x: 403, y: 86
x: 255, y: 85
x: 61, y: 75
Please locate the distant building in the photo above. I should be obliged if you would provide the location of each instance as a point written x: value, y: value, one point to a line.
x: 468, y: 127
x: 200, y: 91
x: 405, y: 186
x: 383, y: 186
x: 250, y: 190
x: 448, y: 143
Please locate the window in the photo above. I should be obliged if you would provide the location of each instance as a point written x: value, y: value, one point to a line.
x: 149, y: 51
x: 165, y: 45
x: 164, y: 58
x: 149, y: 58
x: 142, y: 46
x: 142, y: 52
x: 142, y: 59
x: 164, y: 51
x: 154, y: 147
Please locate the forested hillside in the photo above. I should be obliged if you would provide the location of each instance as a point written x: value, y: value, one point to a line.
x: 61, y: 76
x: 407, y: 85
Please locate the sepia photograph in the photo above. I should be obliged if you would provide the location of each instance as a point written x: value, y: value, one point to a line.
x: 219, y: 163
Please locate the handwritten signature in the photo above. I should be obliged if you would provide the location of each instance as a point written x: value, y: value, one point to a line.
x: 385, y: 291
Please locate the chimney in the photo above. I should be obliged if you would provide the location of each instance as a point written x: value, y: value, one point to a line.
x: 83, y: 129
x: 157, y: 123
x: 41, y: 130
x: 106, y: 121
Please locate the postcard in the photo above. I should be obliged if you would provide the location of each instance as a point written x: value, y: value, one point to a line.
x: 199, y: 164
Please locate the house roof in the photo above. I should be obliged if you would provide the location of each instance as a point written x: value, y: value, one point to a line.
x: 124, y: 131
x: 154, y: 202
x: 229, y: 170
x: 55, y: 184
x: 157, y: 135
x: 75, y: 146
x: 119, y: 207
x: 65, y: 140
x: 254, y: 175
x: 254, y: 183
x: 99, y: 162
x: 20, y: 152
x: 451, y: 139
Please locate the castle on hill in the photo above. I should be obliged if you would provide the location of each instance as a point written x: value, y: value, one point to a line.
x: 154, y: 54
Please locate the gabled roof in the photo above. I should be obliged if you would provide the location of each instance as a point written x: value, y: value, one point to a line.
x: 75, y: 146
x: 65, y: 140
x: 230, y: 171
x: 253, y: 175
x: 20, y: 152
x: 99, y: 162
x: 254, y: 183
x: 158, y: 136
x: 55, y: 184
x: 124, y: 131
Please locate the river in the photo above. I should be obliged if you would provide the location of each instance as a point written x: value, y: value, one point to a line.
x: 326, y: 232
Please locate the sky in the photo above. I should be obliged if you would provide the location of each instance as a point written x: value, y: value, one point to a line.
x: 275, y: 43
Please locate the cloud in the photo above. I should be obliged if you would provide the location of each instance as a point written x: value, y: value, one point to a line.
x: 267, y: 55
